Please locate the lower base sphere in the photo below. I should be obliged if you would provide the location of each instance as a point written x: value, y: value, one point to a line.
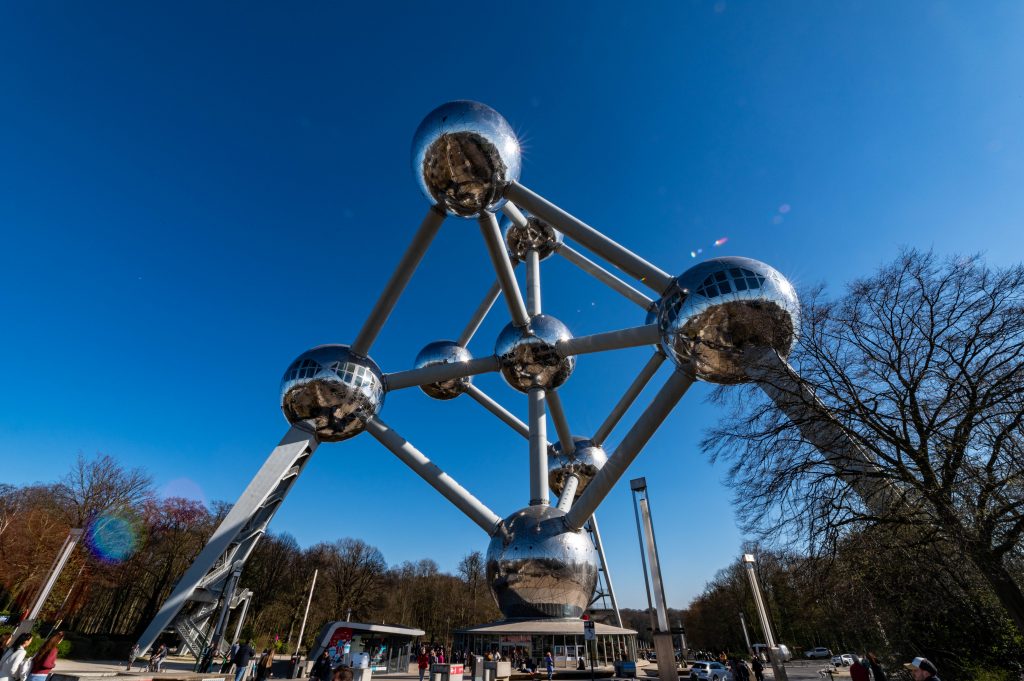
x: 539, y: 568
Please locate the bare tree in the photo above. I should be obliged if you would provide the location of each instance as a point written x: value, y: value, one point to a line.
x: 100, y: 484
x: 921, y: 366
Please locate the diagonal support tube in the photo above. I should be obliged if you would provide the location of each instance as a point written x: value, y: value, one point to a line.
x: 474, y: 509
x: 659, y: 409
x: 438, y: 373
x: 492, y: 406
x: 627, y: 261
x: 513, y: 213
x: 819, y: 427
x: 610, y: 340
x: 627, y: 399
x: 533, y: 282
x: 503, y: 268
x: 604, y: 566
x: 399, y: 279
x: 604, y: 276
x: 480, y: 314
x: 561, y: 423
x: 539, y: 491
x: 569, y: 488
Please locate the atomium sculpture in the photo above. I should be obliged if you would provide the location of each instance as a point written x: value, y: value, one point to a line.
x: 726, y: 320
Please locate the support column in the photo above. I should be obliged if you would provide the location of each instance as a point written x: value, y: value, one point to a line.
x: 539, y: 491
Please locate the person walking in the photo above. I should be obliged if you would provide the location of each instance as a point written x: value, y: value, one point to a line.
x: 758, y: 668
x: 877, y: 672
x: 45, y: 658
x: 858, y: 671
x: 13, y: 665
x: 156, y: 662
x: 922, y: 669
x: 423, y: 662
x: 549, y: 663
x: 225, y: 668
x: 241, y: 661
x: 322, y: 670
x: 264, y: 665
x: 133, y: 655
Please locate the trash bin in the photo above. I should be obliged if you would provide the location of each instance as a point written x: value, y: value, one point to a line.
x: 446, y: 672
x: 361, y: 667
x: 625, y: 669
x: 497, y: 670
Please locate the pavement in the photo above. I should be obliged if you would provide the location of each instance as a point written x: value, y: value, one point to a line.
x: 796, y: 670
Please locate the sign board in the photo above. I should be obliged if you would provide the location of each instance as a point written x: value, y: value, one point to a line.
x: 455, y: 669
x: 589, y: 634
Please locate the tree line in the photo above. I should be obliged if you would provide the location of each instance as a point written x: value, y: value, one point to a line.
x: 106, y: 595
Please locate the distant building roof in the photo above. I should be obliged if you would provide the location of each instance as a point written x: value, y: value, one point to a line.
x: 543, y: 626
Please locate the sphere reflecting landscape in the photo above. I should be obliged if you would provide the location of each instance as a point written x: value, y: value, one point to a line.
x: 722, y: 307
x: 537, y: 235
x: 529, y: 357
x: 444, y: 352
x: 334, y: 389
x: 464, y: 153
x: 585, y: 461
x: 539, y: 568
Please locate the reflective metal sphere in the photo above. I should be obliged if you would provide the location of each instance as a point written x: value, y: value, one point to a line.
x: 335, y: 389
x: 585, y: 461
x: 528, y: 356
x: 539, y: 568
x: 537, y: 235
x: 718, y: 309
x: 463, y: 155
x: 444, y: 352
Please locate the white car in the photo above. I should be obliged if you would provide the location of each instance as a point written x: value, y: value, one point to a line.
x: 818, y: 653
x: 709, y: 671
x: 844, y: 660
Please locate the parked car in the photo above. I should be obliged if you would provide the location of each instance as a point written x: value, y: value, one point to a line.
x: 818, y: 653
x: 709, y: 671
x: 844, y: 660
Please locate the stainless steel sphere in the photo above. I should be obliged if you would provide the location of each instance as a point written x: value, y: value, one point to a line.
x: 538, y: 568
x: 585, y: 461
x: 463, y: 155
x: 718, y: 309
x: 528, y: 356
x: 537, y: 235
x: 334, y: 389
x: 444, y: 352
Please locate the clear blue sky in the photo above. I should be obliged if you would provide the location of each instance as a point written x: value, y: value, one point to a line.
x: 191, y: 194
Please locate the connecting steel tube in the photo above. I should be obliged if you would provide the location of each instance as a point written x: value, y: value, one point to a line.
x: 561, y: 423
x: 533, y: 282
x: 513, y: 213
x: 399, y: 278
x: 504, y: 414
x: 438, y: 373
x: 627, y: 399
x: 610, y: 340
x: 539, y: 491
x: 603, y: 275
x: 659, y: 409
x: 474, y: 509
x: 604, y: 566
x: 627, y: 261
x: 481, y: 313
x: 569, y: 488
x: 503, y: 268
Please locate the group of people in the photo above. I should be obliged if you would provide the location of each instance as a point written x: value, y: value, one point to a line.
x: 15, y: 663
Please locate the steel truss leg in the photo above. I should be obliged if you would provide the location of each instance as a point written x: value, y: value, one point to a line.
x: 475, y: 509
x: 624, y: 259
x: 399, y: 279
x: 236, y: 536
x: 670, y: 394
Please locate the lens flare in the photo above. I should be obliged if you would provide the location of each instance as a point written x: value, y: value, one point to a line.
x: 719, y: 242
x: 111, y: 538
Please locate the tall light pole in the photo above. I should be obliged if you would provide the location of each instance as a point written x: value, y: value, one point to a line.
x: 773, y: 650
